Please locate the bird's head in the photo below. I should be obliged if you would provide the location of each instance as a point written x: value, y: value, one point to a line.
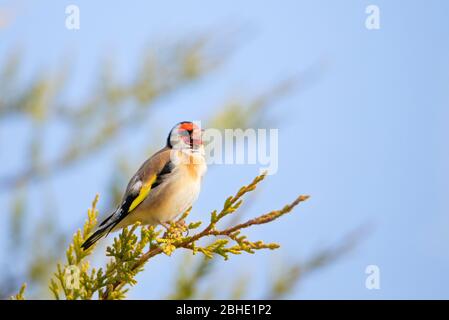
x: 185, y: 135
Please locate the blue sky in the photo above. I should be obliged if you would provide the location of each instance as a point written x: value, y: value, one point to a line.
x: 368, y: 140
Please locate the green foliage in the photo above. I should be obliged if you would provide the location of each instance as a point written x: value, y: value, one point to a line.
x: 21, y: 294
x: 75, y: 268
x: 129, y: 253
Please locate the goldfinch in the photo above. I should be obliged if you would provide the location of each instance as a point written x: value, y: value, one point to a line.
x: 166, y: 185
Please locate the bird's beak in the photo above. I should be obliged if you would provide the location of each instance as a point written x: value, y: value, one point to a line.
x: 198, y: 140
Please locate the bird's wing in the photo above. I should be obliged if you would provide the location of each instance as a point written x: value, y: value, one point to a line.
x: 150, y: 175
x: 147, y: 178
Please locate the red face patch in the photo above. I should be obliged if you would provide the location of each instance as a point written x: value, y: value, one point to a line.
x: 188, y: 126
x: 190, y: 133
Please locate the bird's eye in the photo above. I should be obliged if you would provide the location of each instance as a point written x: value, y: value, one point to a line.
x: 183, y: 132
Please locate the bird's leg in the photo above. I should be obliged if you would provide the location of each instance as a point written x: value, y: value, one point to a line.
x: 182, y: 224
x: 166, y: 225
x: 179, y: 224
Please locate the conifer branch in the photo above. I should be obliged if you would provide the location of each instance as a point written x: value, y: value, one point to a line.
x: 173, y: 238
x: 129, y: 253
x: 21, y: 294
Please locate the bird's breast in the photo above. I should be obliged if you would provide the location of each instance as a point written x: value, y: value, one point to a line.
x: 175, y: 195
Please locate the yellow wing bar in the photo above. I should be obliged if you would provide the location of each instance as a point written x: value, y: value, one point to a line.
x: 144, y: 191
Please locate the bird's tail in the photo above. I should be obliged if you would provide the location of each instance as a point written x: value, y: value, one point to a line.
x: 97, y: 235
x: 104, y: 228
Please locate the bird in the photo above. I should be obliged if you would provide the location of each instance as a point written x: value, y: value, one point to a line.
x: 165, y: 185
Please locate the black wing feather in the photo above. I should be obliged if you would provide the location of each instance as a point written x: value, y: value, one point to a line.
x: 168, y: 168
